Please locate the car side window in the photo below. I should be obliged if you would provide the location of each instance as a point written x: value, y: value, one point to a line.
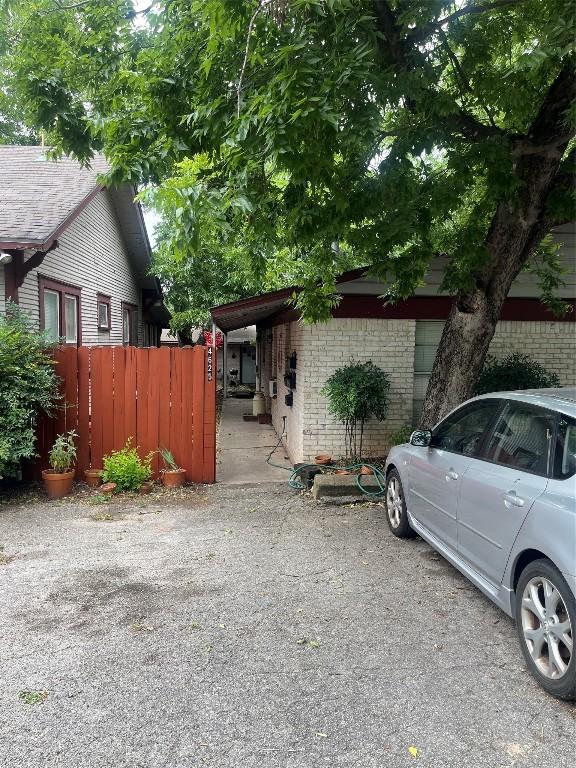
x: 522, y: 438
x: 565, y: 449
x: 463, y: 431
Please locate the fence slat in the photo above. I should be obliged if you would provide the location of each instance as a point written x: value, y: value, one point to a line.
x: 209, y: 470
x: 153, y: 405
x: 130, y: 395
x: 176, y: 408
x: 96, y: 407
x: 188, y: 388
x: 198, y: 414
x: 84, y: 412
x: 163, y: 369
x: 107, y: 365
x: 118, y: 416
x: 142, y: 382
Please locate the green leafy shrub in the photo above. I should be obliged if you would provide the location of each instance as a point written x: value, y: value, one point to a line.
x: 356, y: 393
x: 126, y: 468
x: 63, y: 453
x: 517, y: 371
x: 28, y: 387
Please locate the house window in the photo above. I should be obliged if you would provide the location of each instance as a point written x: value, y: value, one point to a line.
x: 60, y: 310
x: 104, y: 314
x: 428, y: 335
x: 129, y: 323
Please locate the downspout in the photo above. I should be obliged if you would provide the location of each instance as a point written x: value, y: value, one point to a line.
x: 225, y: 367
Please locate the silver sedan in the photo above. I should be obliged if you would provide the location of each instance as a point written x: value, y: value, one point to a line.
x: 493, y: 489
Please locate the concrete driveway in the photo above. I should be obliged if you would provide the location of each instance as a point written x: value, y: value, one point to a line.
x: 252, y: 627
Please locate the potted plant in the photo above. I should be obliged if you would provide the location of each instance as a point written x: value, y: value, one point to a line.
x: 93, y: 477
x: 59, y: 478
x: 173, y: 476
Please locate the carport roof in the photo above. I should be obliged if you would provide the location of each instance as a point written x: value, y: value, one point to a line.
x: 256, y: 309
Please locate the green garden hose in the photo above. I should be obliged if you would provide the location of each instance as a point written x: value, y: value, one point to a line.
x: 298, y: 485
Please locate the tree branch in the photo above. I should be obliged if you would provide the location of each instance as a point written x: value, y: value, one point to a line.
x: 421, y: 34
x: 398, y: 53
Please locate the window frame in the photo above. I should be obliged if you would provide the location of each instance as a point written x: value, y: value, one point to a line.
x: 561, y: 478
x: 489, y: 429
x: 102, y: 298
x: 63, y: 290
x: 132, y: 309
x: 550, y: 463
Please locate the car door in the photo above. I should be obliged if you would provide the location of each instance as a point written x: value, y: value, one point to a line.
x: 500, y: 486
x: 436, y: 471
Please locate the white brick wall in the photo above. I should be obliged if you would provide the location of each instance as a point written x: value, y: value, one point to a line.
x: 552, y: 344
x: 323, y: 348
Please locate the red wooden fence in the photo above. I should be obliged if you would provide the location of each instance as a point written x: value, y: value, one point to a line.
x: 158, y: 397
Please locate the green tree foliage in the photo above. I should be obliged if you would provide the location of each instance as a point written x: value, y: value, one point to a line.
x: 28, y: 386
x: 401, y: 130
x: 516, y: 371
x: 357, y: 392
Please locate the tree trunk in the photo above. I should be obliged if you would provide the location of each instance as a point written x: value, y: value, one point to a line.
x: 516, y: 230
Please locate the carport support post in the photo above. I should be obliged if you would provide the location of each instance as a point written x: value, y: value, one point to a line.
x: 225, y: 366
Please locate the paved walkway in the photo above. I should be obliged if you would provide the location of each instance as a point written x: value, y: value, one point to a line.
x: 242, y: 447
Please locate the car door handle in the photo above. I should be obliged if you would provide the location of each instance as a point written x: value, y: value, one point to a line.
x: 451, y: 475
x: 511, y: 497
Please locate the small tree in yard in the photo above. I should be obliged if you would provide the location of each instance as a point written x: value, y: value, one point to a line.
x: 517, y: 371
x: 356, y: 393
x: 28, y: 386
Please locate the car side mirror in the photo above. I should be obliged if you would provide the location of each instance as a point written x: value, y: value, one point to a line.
x: 421, y: 438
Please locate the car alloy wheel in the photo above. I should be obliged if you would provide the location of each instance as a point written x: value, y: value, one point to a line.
x: 396, y: 513
x: 394, y: 501
x: 545, y: 622
x: 547, y: 627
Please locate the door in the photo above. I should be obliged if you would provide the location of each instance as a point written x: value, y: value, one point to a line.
x: 499, y: 488
x: 436, y: 472
x: 248, y: 364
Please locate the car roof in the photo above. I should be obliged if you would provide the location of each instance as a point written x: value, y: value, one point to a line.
x: 562, y: 399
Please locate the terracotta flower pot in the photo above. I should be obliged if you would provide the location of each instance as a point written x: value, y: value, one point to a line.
x: 146, y: 487
x: 93, y: 477
x: 364, y: 470
x: 342, y: 472
x: 173, y: 478
x: 323, y: 459
x: 58, y: 484
x: 108, y: 488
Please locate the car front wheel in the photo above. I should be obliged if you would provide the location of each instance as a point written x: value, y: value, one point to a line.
x: 396, y: 512
x: 546, y: 624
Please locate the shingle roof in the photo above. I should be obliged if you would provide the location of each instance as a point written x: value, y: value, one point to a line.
x: 37, y: 195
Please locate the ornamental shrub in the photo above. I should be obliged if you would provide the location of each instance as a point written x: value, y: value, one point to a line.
x: 356, y: 393
x: 517, y: 371
x: 28, y: 387
x: 126, y: 468
x: 63, y: 453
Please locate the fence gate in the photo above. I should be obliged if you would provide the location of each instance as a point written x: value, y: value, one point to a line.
x: 156, y: 396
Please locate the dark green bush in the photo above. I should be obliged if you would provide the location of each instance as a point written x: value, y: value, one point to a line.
x: 356, y: 393
x: 517, y: 371
x: 28, y: 386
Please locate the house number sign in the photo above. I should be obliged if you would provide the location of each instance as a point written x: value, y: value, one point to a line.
x: 209, y: 363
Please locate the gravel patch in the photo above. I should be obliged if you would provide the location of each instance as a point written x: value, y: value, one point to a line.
x: 253, y: 627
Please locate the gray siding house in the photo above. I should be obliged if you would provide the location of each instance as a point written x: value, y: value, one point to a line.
x: 75, y: 255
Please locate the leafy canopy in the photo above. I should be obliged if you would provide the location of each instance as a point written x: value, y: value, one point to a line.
x: 379, y: 131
